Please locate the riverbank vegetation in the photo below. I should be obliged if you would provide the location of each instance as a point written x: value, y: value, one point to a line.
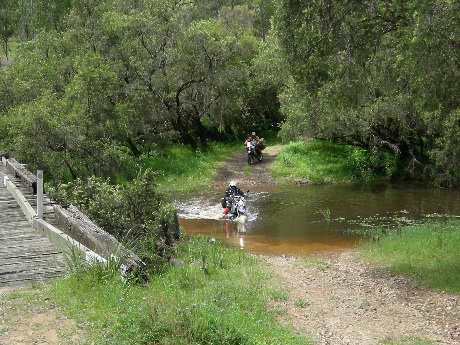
x: 212, y: 294
x: 98, y: 91
x: 103, y: 89
x: 427, y: 253
x: 322, y: 161
x: 140, y: 212
x: 87, y: 85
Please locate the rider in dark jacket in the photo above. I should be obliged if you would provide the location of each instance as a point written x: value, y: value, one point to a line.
x: 229, y: 192
x: 259, y: 141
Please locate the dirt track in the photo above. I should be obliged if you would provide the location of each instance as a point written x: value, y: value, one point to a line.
x: 237, y: 168
x: 343, y: 300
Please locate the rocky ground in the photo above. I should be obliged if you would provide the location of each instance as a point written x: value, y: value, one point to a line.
x: 34, y: 320
x: 336, y: 298
x: 340, y: 299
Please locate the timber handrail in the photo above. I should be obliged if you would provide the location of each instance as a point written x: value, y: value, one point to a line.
x: 79, y: 235
x: 20, y: 170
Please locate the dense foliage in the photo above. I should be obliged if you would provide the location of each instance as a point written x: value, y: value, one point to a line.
x: 136, y: 213
x: 93, y: 90
x: 379, y: 74
x: 116, y: 78
x: 92, y: 82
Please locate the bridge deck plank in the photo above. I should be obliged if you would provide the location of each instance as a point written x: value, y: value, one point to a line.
x: 26, y: 256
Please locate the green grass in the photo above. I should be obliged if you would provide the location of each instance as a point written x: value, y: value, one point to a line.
x: 429, y: 253
x: 217, y: 295
x: 321, y: 161
x: 181, y: 169
x: 221, y: 295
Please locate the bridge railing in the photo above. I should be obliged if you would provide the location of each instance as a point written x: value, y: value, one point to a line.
x: 78, y: 234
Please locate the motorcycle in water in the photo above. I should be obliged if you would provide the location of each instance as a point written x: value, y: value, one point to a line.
x: 235, y: 206
x: 254, y: 150
x: 236, y: 210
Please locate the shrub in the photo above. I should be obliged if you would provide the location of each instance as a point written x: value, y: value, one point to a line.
x: 135, y: 213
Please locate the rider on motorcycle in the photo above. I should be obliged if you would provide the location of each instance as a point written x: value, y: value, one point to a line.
x: 229, y: 193
x: 252, y: 137
x: 259, y: 141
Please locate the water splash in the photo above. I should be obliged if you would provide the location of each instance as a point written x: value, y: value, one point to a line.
x: 201, y: 207
x: 198, y: 209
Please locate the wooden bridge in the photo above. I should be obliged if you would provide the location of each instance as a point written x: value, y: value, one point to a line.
x: 26, y: 256
x: 36, y: 241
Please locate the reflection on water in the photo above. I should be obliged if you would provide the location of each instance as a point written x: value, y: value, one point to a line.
x: 308, y: 219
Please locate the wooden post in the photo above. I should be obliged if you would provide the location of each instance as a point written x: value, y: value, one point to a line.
x: 40, y: 194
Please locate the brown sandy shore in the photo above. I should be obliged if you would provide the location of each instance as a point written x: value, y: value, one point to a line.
x: 340, y: 299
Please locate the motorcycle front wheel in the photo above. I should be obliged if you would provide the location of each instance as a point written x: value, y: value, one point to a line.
x: 249, y: 158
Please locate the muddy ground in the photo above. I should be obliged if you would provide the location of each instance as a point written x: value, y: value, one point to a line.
x: 336, y: 298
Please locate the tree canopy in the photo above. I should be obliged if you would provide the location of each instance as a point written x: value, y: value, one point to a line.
x: 382, y: 75
x: 91, y: 82
x: 113, y: 77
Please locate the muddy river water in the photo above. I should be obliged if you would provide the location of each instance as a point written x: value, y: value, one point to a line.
x: 312, y: 219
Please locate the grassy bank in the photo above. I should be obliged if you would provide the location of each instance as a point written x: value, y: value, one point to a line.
x: 181, y: 169
x: 219, y: 295
x: 321, y: 161
x: 428, y: 253
x: 212, y: 295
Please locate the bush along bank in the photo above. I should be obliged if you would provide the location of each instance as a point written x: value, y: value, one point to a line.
x: 322, y: 161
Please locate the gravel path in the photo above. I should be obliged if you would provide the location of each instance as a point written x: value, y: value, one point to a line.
x: 340, y: 299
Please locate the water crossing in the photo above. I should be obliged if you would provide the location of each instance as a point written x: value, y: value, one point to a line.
x: 311, y: 219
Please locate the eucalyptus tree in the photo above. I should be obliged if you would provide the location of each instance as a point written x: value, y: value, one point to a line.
x: 178, y: 76
x: 48, y: 14
x: 270, y: 76
x: 217, y: 53
x: 8, y: 24
x: 372, y: 73
x: 59, y: 107
x: 121, y: 78
x: 183, y: 79
x: 263, y: 13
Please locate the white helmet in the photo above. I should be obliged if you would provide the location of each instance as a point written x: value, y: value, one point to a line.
x: 232, y: 183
